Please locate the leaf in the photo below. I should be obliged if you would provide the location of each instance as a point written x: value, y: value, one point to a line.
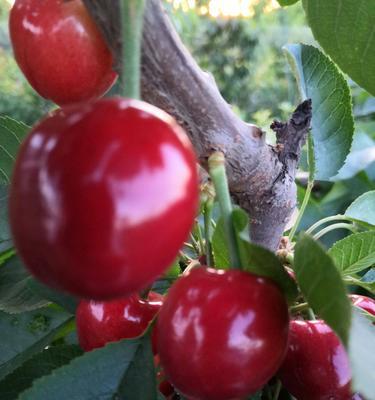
x: 332, y: 121
x: 39, y: 365
x: 363, y: 209
x: 322, y: 285
x: 23, y: 335
x: 362, y: 355
x: 11, y: 134
x: 261, y: 261
x: 5, y: 237
x: 15, y: 295
x: 362, y: 156
x: 355, y: 253
x: 122, y: 370
x: 285, y: 3
x: 345, y: 30
x: 66, y: 301
x: 219, y: 246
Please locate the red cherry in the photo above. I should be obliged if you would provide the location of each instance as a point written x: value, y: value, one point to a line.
x: 101, y: 322
x: 166, y: 388
x: 60, y: 50
x: 102, y: 197
x: 222, y: 334
x: 316, y: 366
x: 366, y: 303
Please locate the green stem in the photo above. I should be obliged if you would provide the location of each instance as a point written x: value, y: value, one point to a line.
x: 207, y: 212
x: 195, y: 244
x: 349, y: 227
x: 328, y: 219
x: 132, y: 27
x: 277, y: 390
x: 311, y: 314
x: 216, y: 164
x: 310, y: 185
x: 200, y: 238
x: 299, y: 307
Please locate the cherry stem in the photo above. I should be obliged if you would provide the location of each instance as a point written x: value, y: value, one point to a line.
x: 330, y: 228
x: 277, y: 390
x: 327, y: 219
x: 207, y: 212
x: 132, y: 26
x: 299, y: 307
x: 310, y: 185
x: 216, y: 165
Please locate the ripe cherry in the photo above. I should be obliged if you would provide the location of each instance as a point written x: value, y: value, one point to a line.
x: 60, y: 50
x: 102, y: 197
x: 99, y: 323
x: 316, y: 366
x: 222, y: 334
x: 366, y: 303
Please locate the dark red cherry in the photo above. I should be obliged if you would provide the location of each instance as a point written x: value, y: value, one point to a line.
x: 99, y: 323
x: 316, y: 366
x: 102, y: 197
x: 60, y: 50
x: 222, y: 334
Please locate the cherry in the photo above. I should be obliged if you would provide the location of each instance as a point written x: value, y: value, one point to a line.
x: 222, y: 334
x: 101, y: 322
x: 366, y: 303
x: 60, y: 50
x: 102, y: 197
x: 316, y: 366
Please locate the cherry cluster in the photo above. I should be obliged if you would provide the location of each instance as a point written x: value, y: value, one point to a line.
x: 103, y: 196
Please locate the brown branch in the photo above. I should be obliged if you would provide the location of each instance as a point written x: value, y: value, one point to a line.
x: 261, y: 178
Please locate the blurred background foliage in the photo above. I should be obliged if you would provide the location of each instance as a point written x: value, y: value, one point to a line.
x: 246, y: 59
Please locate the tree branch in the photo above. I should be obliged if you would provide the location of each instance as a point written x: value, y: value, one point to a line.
x: 261, y: 177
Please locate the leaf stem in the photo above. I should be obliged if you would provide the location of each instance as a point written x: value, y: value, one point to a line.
x: 207, y: 212
x: 277, y: 390
x: 216, y: 164
x: 310, y: 185
x: 132, y: 27
x: 200, y: 238
x: 349, y: 227
x: 323, y: 221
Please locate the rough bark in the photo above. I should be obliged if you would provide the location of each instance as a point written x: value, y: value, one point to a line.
x: 261, y: 177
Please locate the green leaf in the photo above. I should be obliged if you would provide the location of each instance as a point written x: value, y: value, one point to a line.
x: 259, y: 260
x: 345, y: 30
x: 285, y: 3
x: 219, y: 246
x: 355, y: 253
x: 122, y: 370
x: 363, y: 208
x: 15, y: 295
x: 322, y: 285
x: 66, y: 301
x: 39, y: 365
x: 332, y: 121
x: 5, y: 237
x: 11, y: 135
x: 362, y: 355
x: 23, y: 335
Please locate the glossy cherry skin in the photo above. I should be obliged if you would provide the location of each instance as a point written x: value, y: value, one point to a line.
x: 366, y: 303
x: 316, y: 366
x: 222, y: 334
x: 99, y: 323
x: 102, y: 197
x: 60, y: 50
